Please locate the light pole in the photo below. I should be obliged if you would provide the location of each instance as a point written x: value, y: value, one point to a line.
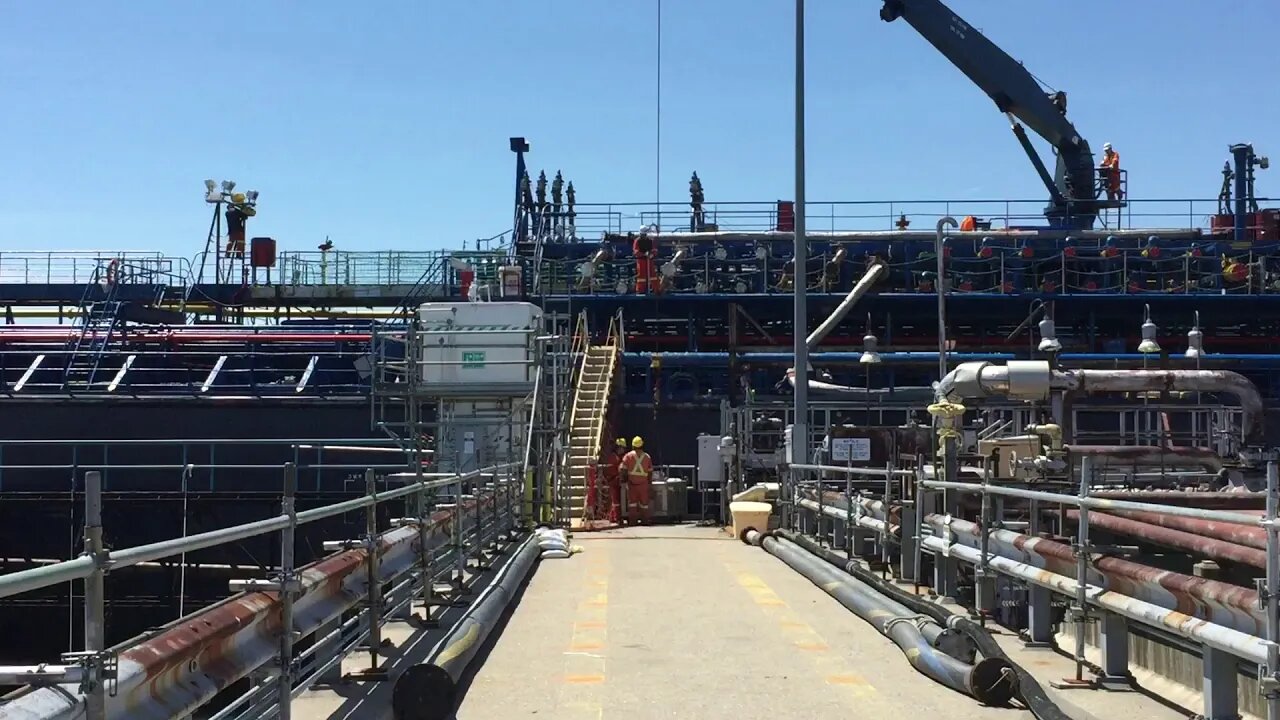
x: 800, y: 321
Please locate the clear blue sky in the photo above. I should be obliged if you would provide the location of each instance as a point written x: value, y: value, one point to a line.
x: 385, y: 125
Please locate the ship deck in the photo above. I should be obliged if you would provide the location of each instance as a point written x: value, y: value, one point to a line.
x: 682, y: 621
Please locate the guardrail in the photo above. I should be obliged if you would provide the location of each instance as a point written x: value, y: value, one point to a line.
x: 1227, y: 622
x: 871, y: 215
x: 181, y: 666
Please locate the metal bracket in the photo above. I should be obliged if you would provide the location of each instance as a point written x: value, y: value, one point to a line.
x: 1264, y: 595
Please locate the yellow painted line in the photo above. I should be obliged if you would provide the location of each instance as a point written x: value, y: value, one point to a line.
x: 773, y: 602
x: 584, y: 679
x: 582, y: 646
x: 847, y: 679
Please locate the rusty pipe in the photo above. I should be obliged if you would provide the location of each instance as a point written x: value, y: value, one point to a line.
x: 860, y: 288
x: 1238, y: 502
x: 1221, y: 381
x: 1149, y: 455
x: 1230, y: 532
x: 195, y: 657
x: 1177, y: 539
x: 1218, y: 602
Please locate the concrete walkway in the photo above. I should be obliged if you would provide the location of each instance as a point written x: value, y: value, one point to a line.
x: 685, y: 622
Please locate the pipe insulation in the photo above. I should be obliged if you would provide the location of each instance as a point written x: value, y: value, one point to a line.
x: 1234, y: 642
x: 1035, y: 379
x: 873, y: 274
x: 990, y: 681
x: 905, y: 393
x: 429, y: 691
x: 1176, y: 539
x: 1195, y: 599
x: 1029, y: 689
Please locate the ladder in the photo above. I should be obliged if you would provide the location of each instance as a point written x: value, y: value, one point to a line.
x: 587, y: 418
x: 99, y: 320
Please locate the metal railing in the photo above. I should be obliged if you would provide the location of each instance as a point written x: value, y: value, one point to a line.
x: 81, y: 267
x: 593, y: 219
x: 121, y: 682
x: 1223, y: 624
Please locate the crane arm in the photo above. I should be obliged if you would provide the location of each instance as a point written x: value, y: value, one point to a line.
x: 1014, y: 90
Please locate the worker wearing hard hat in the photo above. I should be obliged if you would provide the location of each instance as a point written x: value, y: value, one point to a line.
x: 644, y: 249
x: 637, y: 466
x: 1110, y: 172
x: 612, y: 477
x: 238, y: 211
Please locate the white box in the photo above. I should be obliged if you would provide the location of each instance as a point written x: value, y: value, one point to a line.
x: 478, y: 344
x: 710, y: 462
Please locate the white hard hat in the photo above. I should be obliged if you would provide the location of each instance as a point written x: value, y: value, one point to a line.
x: 1106, y: 146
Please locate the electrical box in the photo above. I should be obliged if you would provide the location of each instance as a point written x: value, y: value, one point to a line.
x: 710, y: 461
x: 1008, y: 451
x: 478, y: 349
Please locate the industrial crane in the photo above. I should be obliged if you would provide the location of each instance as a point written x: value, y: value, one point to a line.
x: 1073, y: 189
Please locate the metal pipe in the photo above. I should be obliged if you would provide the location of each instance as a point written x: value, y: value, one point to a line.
x: 1252, y: 537
x: 1149, y: 455
x: 1239, y: 644
x: 95, y: 599
x: 1223, y: 381
x: 860, y: 288
x: 1098, y: 503
x: 989, y: 681
x: 1218, y: 602
x: 1272, y: 604
x: 429, y: 691
x: 902, y: 393
x: 172, y: 673
x: 942, y: 293
x: 1177, y: 539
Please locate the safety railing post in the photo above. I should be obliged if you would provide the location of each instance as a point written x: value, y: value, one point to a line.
x: 425, y: 565
x: 95, y: 635
x: 1039, y: 622
x: 478, y: 550
x: 1270, y: 683
x: 1082, y: 551
x: 985, y: 581
x: 459, y: 546
x: 848, y: 509
x: 288, y: 589
x: 884, y: 536
x: 371, y: 568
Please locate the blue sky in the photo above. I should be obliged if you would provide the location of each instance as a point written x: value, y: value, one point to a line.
x: 386, y: 125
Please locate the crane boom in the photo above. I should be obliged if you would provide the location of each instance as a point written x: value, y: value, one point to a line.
x: 1072, y: 188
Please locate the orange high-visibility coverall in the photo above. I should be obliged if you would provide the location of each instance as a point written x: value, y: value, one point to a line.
x: 644, y: 253
x: 1111, y: 170
x: 637, y: 466
x: 612, y: 480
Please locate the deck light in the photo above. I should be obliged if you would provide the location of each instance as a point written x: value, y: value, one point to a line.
x: 1049, y: 342
x: 1195, y: 340
x: 1148, y: 344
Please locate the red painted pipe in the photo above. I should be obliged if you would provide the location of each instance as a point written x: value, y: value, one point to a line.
x: 1254, y: 537
x: 1177, y: 539
x: 181, y: 337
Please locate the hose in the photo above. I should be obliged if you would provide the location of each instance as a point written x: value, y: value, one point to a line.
x: 1029, y: 690
x: 989, y: 681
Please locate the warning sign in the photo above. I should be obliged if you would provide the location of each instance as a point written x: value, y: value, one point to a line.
x: 850, y: 449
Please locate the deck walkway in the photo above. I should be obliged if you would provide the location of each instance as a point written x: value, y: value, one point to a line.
x: 685, y: 622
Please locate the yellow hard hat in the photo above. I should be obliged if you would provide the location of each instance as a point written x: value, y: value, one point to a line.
x: 621, y: 442
x: 237, y: 197
x: 637, y: 442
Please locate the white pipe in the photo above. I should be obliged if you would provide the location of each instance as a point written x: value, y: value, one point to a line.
x: 1241, y: 645
x: 860, y: 288
x: 759, y: 492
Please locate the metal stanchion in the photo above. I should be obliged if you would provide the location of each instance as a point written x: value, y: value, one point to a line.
x: 288, y: 589
x: 375, y: 585
x: 1269, y: 681
x: 95, y: 600
x: 425, y: 565
x: 1082, y: 550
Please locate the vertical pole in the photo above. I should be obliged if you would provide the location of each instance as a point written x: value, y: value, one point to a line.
x: 425, y: 565
x: 1273, y: 589
x: 459, y: 553
x: 945, y: 567
x: 371, y: 567
x: 848, y: 508
x: 1039, y: 628
x: 884, y: 538
x: 983, y: 577
x: 284, y: 687
x: 95, y: 635
x: 800, y: 320
x: 1082, y: 565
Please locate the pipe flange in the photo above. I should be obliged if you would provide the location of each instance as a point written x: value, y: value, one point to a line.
x: 916, y: 620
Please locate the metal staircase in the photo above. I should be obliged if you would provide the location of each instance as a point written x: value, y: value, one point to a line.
x: 99, y: 318
x: 588, y: 415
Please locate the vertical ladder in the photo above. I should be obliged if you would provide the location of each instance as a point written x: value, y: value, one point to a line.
x: 98, y: 322
x: 587, y: 420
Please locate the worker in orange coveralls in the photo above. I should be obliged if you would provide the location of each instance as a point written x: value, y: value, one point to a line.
x: 637, y: 466
x: 612, y: 477
x: 1110, y: 171
x: 644, y: 251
